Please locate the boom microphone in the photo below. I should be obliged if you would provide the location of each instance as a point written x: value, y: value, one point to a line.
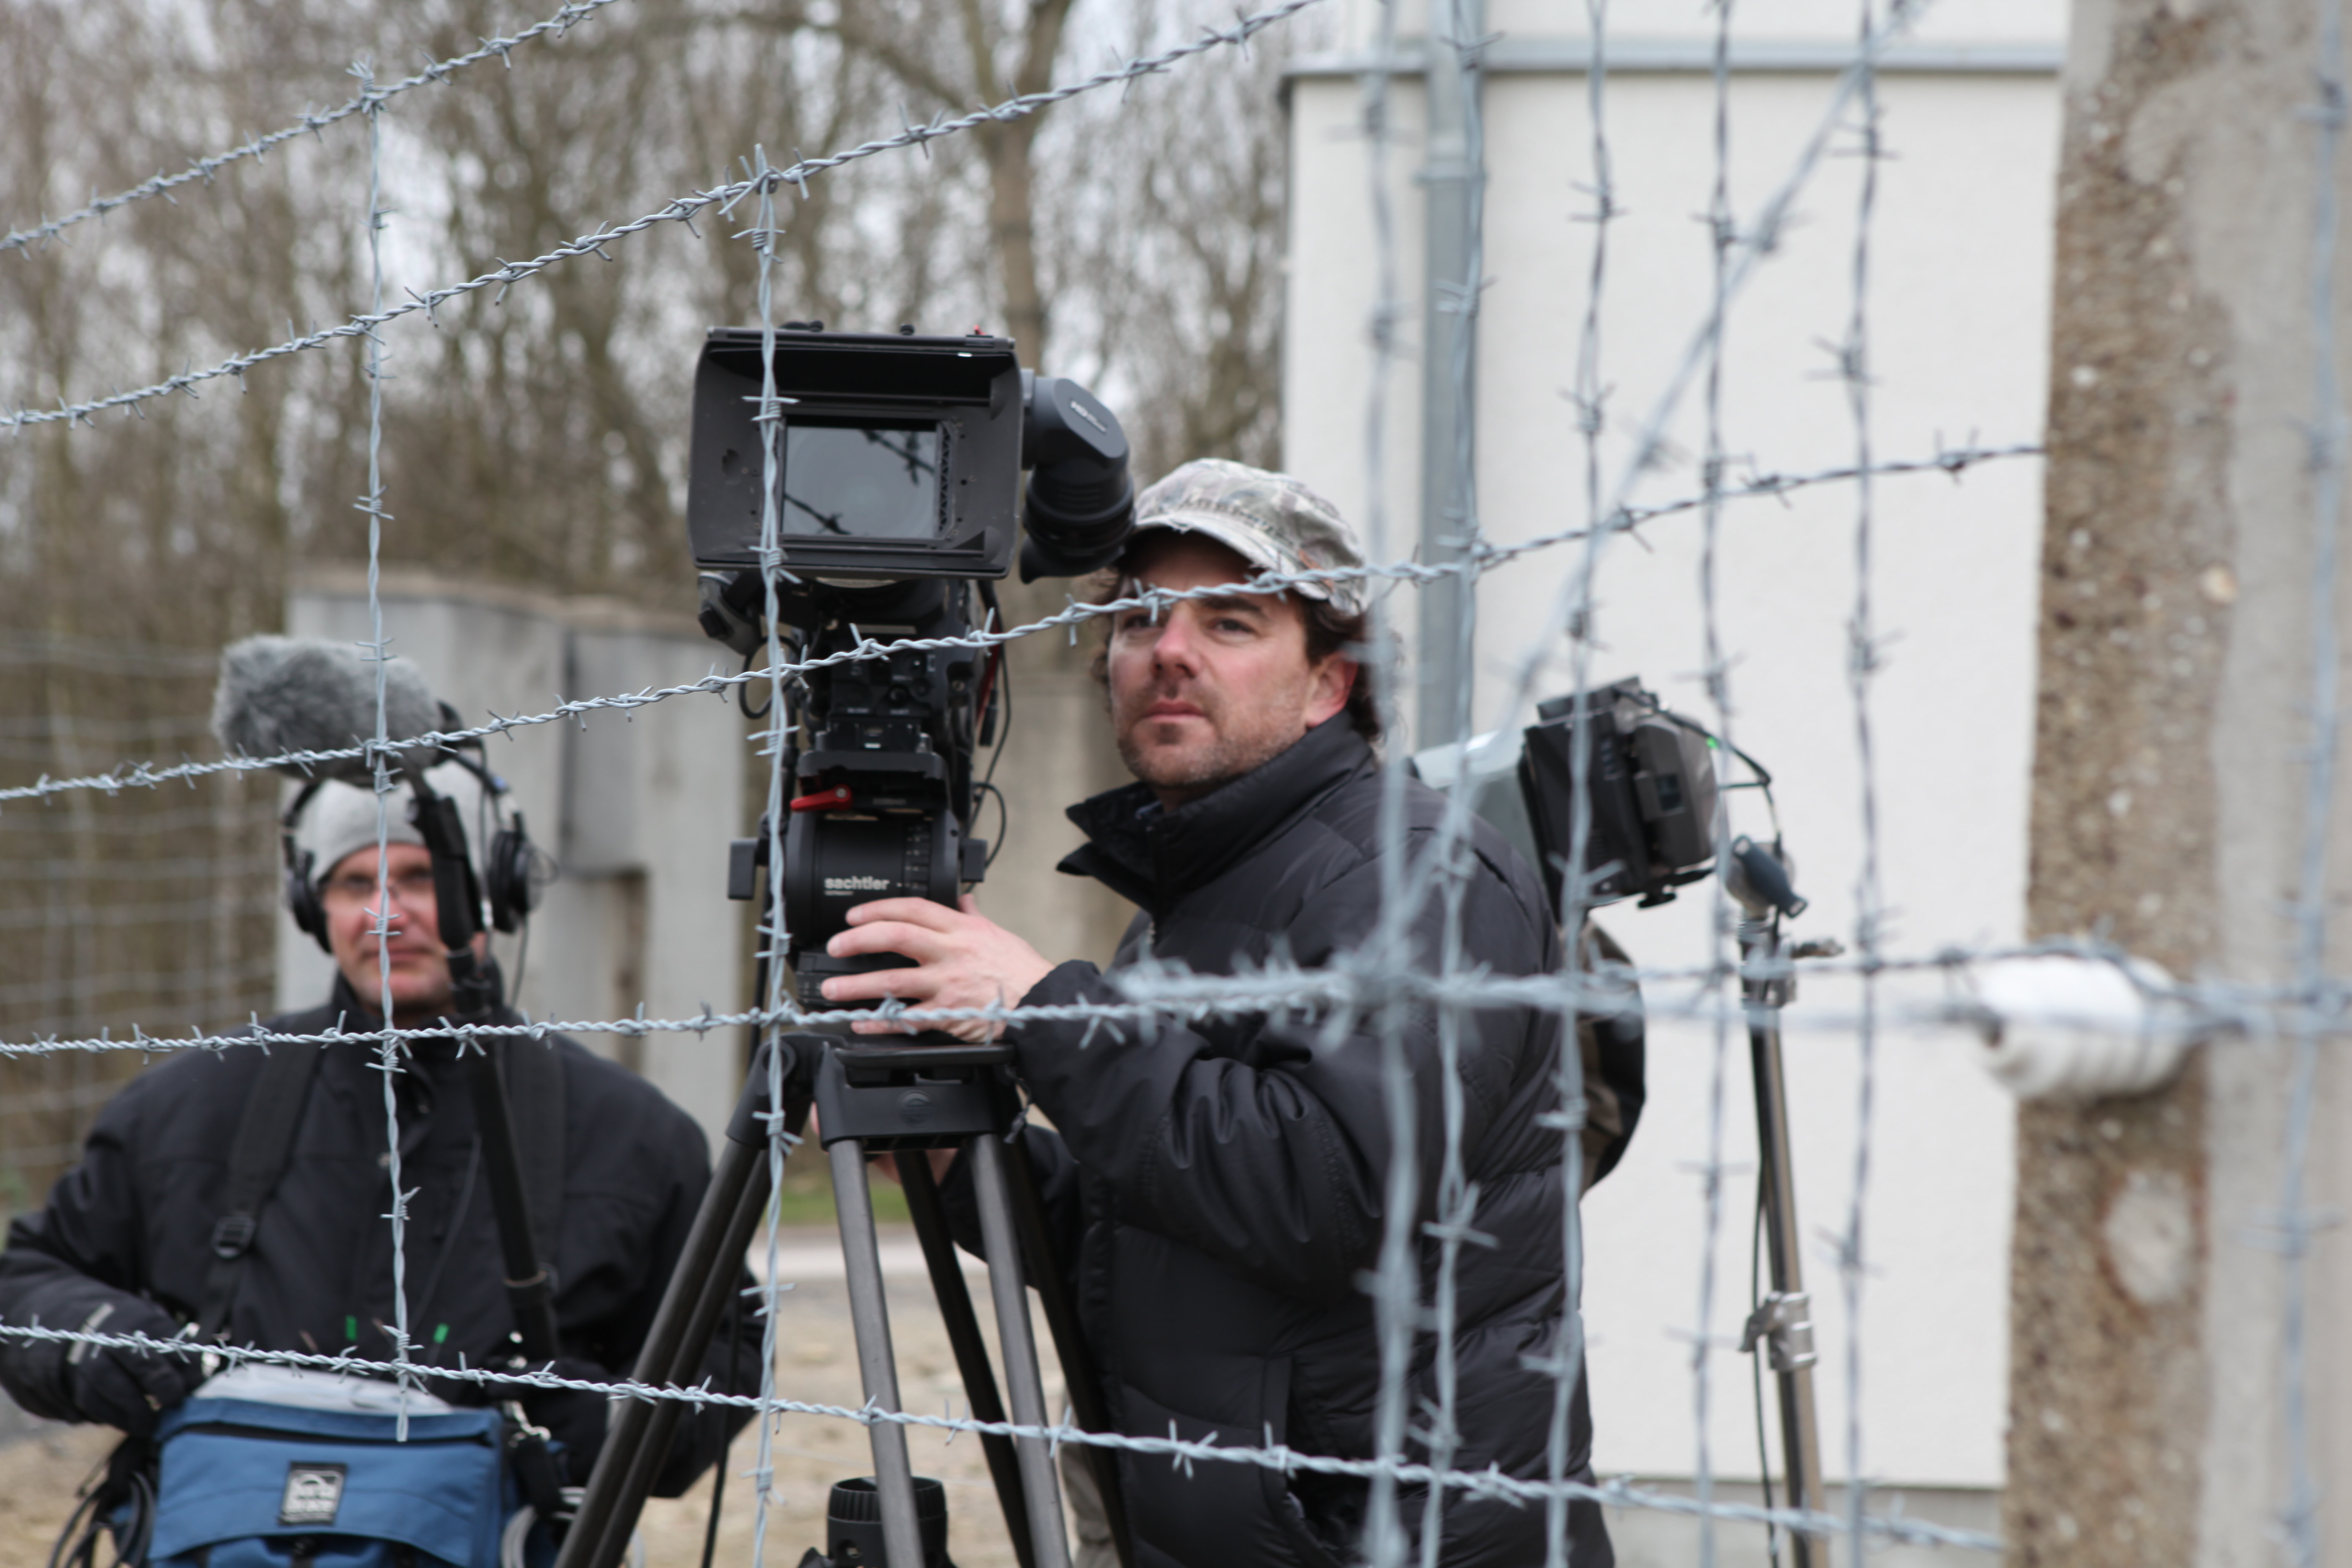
x: 305, y: 694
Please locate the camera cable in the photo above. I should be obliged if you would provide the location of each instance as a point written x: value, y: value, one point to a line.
x: 743, y: 693
x: 130, y: 1497
x: 1004, y: 821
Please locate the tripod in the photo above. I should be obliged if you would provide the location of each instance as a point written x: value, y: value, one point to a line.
x: 1782, y: 1326
x: 872, y: 1101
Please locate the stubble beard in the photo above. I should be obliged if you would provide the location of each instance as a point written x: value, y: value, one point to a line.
x: 1191, y: 772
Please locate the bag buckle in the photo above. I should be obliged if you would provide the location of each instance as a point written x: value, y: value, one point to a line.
x: 232, y: 1235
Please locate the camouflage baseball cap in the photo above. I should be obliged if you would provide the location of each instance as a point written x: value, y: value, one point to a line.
x: 1271, y: 520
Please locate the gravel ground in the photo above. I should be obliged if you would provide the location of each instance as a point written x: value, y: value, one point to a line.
x: 816, y: 1361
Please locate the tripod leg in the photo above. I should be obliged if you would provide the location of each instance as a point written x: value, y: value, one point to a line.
x: 661, y: 1423
x: 704, y: 1274
x: 870, y: 1315
x: 970, y: 1350
x: 626, y: 1432
x: 1069, y: 1341
x: 1800, y: 1424
x: 1020, y: 1349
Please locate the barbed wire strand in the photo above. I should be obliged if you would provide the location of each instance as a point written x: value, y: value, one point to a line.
x: 1864, y: 661
x: 2208, y: 1010
x: 385, y: 925
x: 1395, y: 1284
x: 1952, y: 462
x: 1567, y: 1363
x: 773, y: 932
x: 1489, y: 1483
x: 436, y: 73
x: 2298, y: 1226
x: 1714, y: 1171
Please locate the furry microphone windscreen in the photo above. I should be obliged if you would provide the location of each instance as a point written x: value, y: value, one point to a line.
x: 305, y: 694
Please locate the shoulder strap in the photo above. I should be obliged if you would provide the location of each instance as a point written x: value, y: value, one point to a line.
x: 264, y: 1143
x: 534, y: 1075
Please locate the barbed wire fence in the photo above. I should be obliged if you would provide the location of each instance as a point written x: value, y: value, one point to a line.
x: 64, y: 1030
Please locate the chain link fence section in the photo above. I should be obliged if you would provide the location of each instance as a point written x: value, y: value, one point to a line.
x: 115, y: 911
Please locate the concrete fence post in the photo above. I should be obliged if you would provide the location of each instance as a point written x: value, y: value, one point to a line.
x: 2191, y: 489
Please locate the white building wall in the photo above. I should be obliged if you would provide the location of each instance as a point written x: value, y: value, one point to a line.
x: 1959, y: 306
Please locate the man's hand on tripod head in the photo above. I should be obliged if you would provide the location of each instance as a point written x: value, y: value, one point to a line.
x: 963, y: 959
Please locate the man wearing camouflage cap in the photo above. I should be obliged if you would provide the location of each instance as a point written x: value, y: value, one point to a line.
x: 1217, y: 1186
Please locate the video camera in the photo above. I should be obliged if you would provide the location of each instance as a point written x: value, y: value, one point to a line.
x: 1650, y: 788
x: 900, y: 499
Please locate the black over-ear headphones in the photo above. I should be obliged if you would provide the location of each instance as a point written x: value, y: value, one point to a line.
x: 302, y: 899
x: 506, y: 879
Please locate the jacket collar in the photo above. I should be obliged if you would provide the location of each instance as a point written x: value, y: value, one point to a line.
x: 1153, y: 858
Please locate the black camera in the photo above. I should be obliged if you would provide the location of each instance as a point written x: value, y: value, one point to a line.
x: 1651, y: 781
x: 898, y: 493
x: 1650, y: 785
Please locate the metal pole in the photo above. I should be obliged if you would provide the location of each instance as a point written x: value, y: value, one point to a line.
x: 1038, y: 1482
x: 870, y: 1315
x: 1450, y: 180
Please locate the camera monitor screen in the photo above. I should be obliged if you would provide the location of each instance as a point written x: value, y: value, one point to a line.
x: 862, y: 480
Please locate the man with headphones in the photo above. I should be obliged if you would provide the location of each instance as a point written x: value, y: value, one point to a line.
x: 246, y: 1196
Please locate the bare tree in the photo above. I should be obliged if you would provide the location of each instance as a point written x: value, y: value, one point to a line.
x: 1174, y: 244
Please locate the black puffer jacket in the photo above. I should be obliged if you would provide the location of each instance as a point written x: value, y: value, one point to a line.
x: 1221, y: 1185
x: 136, y: 1220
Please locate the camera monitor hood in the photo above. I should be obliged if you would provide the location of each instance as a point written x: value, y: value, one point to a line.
x: 901, y: 457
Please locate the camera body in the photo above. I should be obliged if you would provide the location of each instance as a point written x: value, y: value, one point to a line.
x: 900, y: 501
x: 1651, y: 781
x: 1649, y: 784
x: 881, y: 766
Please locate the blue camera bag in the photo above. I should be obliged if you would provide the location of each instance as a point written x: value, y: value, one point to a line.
x: 249, y: 1485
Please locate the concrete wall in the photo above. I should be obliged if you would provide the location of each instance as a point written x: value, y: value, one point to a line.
x: 1959, y: 311
x: 634, y: 811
